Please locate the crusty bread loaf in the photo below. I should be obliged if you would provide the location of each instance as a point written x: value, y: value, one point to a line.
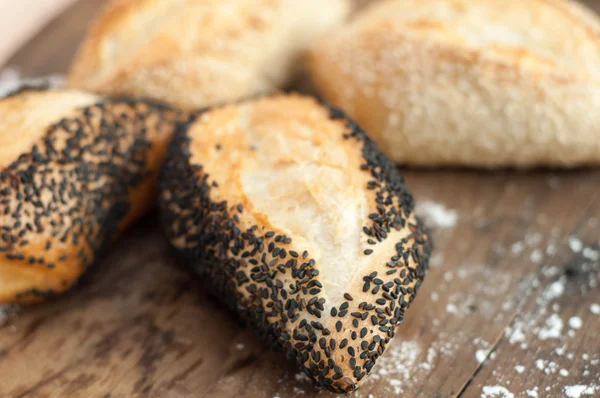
x: 75, y: 169
x: 301, y: 225
x: 474, y: 83
x: 192, y: 53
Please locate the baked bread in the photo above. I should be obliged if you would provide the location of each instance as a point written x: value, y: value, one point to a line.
x: 482, y: 83
x: 301, y: 225
x: 193, y: 53
x: 75, y: 170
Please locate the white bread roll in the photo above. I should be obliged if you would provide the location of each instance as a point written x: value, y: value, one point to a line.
x: 484, y: 83
x: 193, y: 53
x: 298, y: 222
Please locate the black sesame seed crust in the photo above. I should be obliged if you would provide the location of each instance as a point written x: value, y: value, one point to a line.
x: 63, y: 201
x: 243, y: 266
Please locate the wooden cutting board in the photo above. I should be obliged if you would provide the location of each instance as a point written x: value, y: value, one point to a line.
x: 510, y: 305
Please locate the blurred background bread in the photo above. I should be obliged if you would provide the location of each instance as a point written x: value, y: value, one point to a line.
x: 193, y: 53
x: 470, y: 83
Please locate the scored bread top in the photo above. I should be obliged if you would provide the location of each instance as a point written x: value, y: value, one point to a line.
x: 303, y: 226
x: 470, y: 83
x: 198, y: 52
x: 294, y: 173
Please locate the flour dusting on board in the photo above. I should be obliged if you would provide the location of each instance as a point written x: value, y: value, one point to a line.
x: 397, y: 364
x: 496, y: 392
x: 436, y: 215
x: 580, y: 390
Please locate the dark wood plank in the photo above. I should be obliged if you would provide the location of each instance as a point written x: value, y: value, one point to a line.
x: 139, y: 326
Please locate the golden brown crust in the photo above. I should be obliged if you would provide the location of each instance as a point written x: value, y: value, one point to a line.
x: 455, y: 82
x: 301, y: 225
x: 193, y: 53
x: 80, y: 170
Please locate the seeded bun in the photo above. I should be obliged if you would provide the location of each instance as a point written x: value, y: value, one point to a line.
x: 484, y: 83
x: 301, y: 225
x: 193, y: 53
x: 75, y: 170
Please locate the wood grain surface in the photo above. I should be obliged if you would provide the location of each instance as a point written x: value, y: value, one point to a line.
x: 511, y: 305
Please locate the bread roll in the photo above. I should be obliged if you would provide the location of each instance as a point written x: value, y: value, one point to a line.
x: 75, y: 170
x: 482, y: 83
x: 192, y: 53
x: 300, y: 224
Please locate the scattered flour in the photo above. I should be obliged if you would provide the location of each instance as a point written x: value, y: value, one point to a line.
x: 496, y: 391
x: 240, y: 346
x: 540, y: 364
x: 580, y: 390
x: 451, y: 309
x: 553, y: 329
x: 595, y: 308
x: 519, y: 369
x: 575, y: 322
x: 396, y: 365
x: 436, y: 215
x: 591, y: 254
x: 555, y: 290
x: 533, y: 393
x: 515, y: 334
x: 480, y: 355
x: 575, y: 244
x: 436, y: 260
x: 301, y: 377
x: 536, y: 256
x: 517, y: 247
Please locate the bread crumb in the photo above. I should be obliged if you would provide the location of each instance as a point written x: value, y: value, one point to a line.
x: 519, y: 369
x: 595, y: 308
